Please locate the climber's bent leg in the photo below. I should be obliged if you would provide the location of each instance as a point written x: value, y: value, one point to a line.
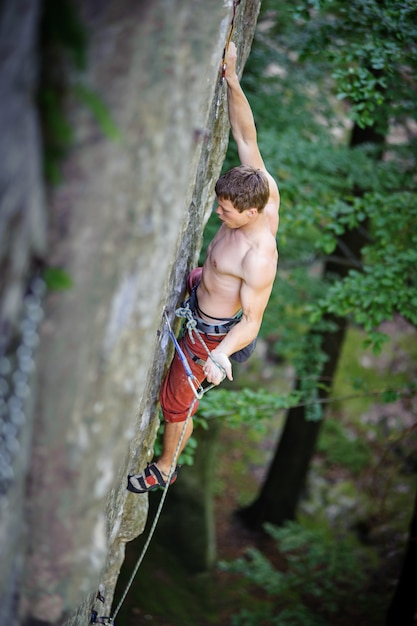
x: 176, y: 396
x: 178, y: 403
x: 172, y: 435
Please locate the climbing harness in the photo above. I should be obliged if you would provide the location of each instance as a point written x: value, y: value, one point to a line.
x: 226, y: 48
x: 198, y: 390
x: 191, y: 326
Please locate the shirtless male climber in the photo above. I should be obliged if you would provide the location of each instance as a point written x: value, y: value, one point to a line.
x: 230, y: 292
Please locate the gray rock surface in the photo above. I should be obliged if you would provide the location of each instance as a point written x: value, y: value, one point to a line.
x: 126, y: 225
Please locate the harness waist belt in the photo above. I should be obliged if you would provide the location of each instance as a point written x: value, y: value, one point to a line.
x: 214, y: 329
x: 210, y: 329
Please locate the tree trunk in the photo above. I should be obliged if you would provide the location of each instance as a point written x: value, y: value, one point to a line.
x: 285, y: 482
x: 286, y: 479
x: 404, y: 602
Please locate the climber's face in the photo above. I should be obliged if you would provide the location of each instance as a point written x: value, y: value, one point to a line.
x: 230, y: 216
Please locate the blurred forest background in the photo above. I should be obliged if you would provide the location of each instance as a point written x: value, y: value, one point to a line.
x: 316, y: 461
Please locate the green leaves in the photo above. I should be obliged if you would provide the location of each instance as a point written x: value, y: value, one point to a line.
x: 363, y: 52
x: 99, y: 110
x: 245, y: 406
x: 370, y: 47
x: 345, y: 448
x: 388, y: 283
x: 365, y: 91
x: 57, y: 279
x: 64, y: 48
x: 321, y: 574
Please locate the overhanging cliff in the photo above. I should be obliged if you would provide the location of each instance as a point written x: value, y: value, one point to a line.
x: 126, y: 225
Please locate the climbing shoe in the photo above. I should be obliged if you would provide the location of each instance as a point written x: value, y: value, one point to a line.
x: 151, y: 478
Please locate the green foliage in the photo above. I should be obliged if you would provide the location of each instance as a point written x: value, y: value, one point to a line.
x: 309, y: 366
x: 370, y: 48
x: 234, y: 408
x: 61, y: 27
x: 343, y: 447
x: 387, y: 283
x: 363, y: 52
x: 322, y: 575
x: 99, y: 110
x: 57, y: 131
x: 57, y: 279
x: 245, y: 406
x: 363, y: 378
x: 286, y: 321
x: 256, y: 409
x: 371, y: 45
x: 64, y: 46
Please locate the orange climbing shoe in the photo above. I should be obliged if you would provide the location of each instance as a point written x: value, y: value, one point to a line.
x: 151, y: 478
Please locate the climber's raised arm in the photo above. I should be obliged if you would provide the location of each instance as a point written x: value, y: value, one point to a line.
x: 242, y: 121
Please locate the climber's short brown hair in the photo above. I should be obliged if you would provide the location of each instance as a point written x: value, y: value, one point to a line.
x: 245, y: 186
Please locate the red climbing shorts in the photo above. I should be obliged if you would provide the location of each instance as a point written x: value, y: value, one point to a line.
x: 176, y: 395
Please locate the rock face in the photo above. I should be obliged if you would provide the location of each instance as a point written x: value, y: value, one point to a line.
x: 126, y: 225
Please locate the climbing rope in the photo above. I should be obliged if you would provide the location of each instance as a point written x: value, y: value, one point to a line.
x: 156, y: 518
x: 95, y: 619
x: 226, y: 48
x: 191, y: 326
x: 193, y: 381
x: 199, y: 391
x: 196, y: 386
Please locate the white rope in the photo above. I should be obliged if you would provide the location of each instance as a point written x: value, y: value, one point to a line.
x: 157, y: 515
x: 191, y: 326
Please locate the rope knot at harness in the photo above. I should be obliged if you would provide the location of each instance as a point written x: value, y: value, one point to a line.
x: 191, y: 325
x: 192, y: 328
